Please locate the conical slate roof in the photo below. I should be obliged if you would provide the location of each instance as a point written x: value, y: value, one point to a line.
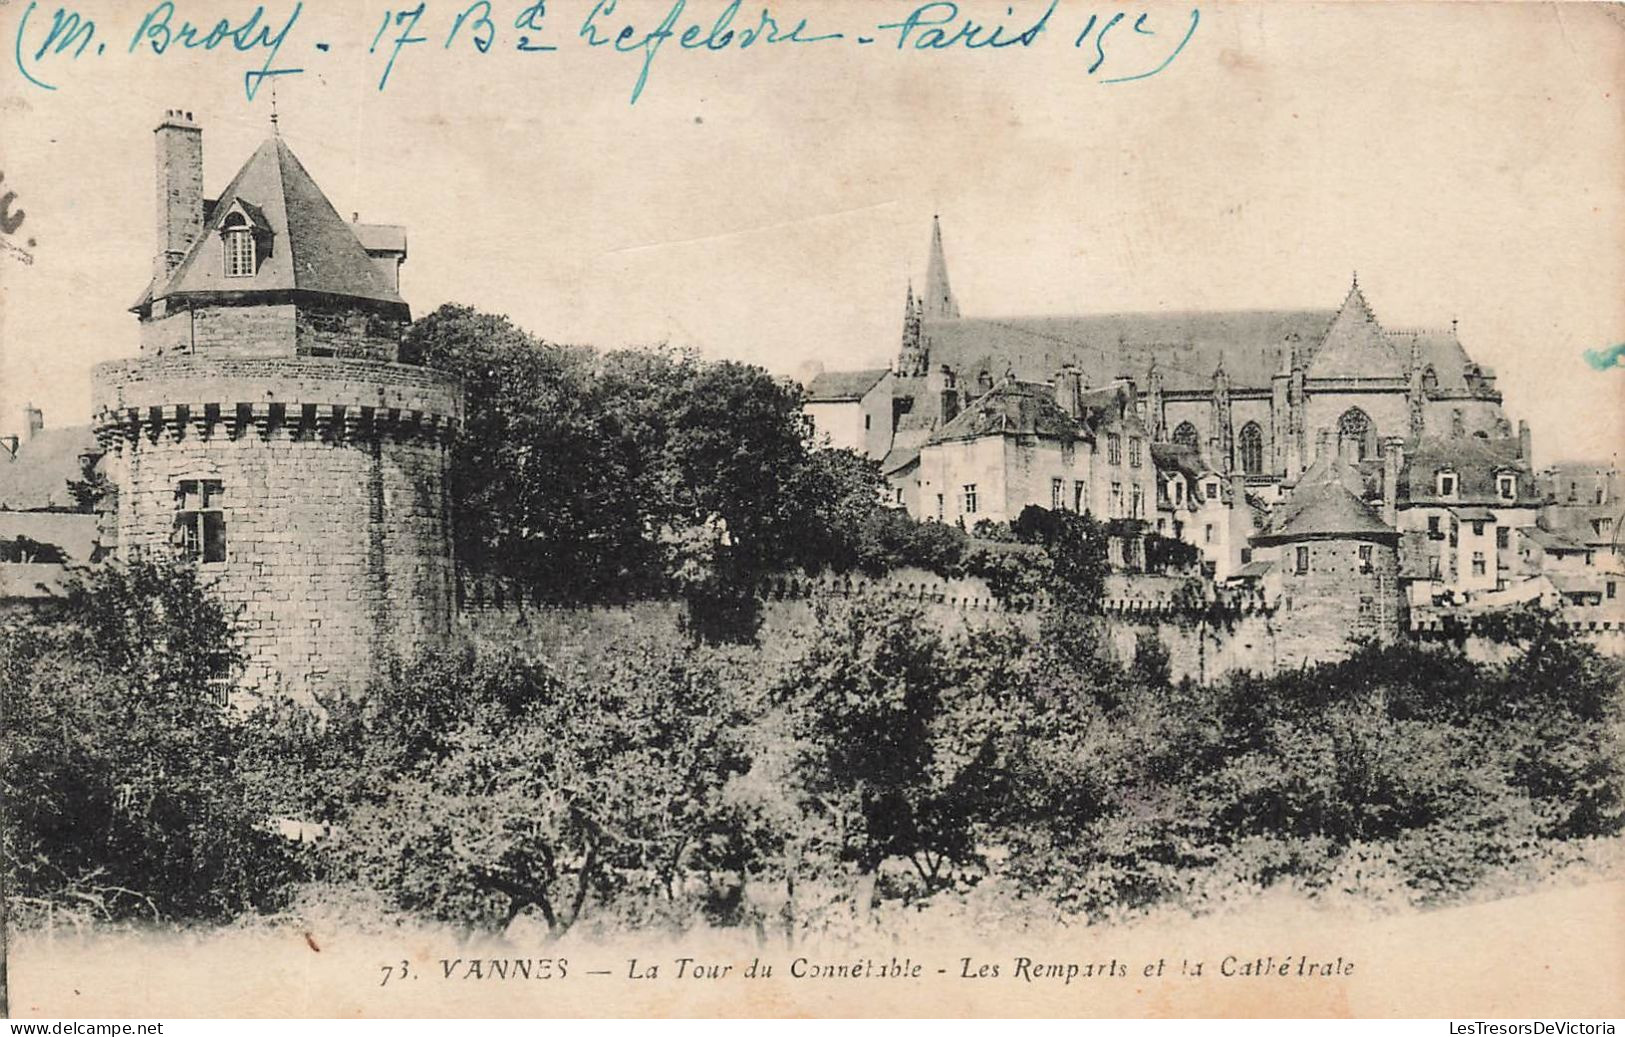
x: 1323, y: 505
x: 303, y: 242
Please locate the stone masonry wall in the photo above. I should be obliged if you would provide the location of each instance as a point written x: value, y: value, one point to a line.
x: 1325, y: 609
x: 236, y: 331
x: 308, y: 328
x: 338, y: 549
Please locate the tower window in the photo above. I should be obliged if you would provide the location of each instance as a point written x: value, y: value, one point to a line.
x: 239, y: 242
x: 200, y: 522
x: 1303, y: 559
x: 1365, y: 558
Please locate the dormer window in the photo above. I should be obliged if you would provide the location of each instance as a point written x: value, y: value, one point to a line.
x: 1211, y: 489
x: 1447, y: 484
x: 1507, y: 486
x: 239, y: 242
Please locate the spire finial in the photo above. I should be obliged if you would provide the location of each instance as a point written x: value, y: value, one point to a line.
x: 1355, y: 283
x: 275, y: 130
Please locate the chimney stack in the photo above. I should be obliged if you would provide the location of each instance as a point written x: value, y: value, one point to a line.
x: 1069, y: 390
x: 1393, y: 459
x: 34, y: 421
x: 1323, y: 442
x: 1526, y: 449
x: 179, y: 146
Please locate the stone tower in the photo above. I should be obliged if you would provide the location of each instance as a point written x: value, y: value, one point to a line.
x: 268, y: 431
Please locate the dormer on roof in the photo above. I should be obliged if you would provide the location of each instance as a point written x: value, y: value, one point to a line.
x: 274, y: 269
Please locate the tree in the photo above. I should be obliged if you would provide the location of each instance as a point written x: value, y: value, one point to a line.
x: 886, y: 752
x: 123, y: 796
x: 591, y: 783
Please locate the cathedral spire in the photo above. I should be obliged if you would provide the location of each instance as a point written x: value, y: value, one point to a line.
x: 939, y: 296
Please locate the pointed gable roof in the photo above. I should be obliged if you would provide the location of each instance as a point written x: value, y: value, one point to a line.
x: 938, y: 298
x: 304, y: 244
x: 1355, y: 345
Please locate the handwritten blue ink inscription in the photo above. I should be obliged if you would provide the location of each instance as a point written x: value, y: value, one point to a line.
x: 1122, y: 45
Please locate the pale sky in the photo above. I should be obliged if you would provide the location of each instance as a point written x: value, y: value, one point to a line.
x: 769, y: 205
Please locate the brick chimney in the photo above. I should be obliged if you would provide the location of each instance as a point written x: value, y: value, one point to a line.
x: 179, y: 146
x: 1393, y: 459
x: 1323, y: 442
x: 1526, y: 450
x: 33, y: 421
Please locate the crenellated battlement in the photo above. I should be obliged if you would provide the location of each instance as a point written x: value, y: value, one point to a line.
x: 301, y: 396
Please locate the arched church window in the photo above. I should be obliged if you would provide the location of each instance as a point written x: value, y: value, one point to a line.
x: 239, y: 242
x: 1355, y: 428
x: 1186, y: 435
x: 1250, y: 447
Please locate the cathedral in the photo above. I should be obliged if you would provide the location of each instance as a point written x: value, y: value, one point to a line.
x: 1248, y: 389
x: 1310, y: 447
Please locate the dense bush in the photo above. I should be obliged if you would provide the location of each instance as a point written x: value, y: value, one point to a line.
x: 120, y: 769
x: 637, y: 779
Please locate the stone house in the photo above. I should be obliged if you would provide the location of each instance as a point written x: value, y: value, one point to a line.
x: 1462, y: 501
x: 1053, y: 445
x: 852, y: 410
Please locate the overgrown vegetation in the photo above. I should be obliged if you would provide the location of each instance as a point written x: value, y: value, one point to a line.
x: 583, y: 476
x: 640, y: 780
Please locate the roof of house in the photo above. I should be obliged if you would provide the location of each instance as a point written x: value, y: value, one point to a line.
x: 307, y: 247
x: 37, y: 478
x: 73, y: 535
x: 1583, y: 523
x: 1477, y: 462
x: 1548, y: 540
x: 380, y: 237
x: 1011, y: 409
x: 834, y: 386
x: 1253, y: 570
x: 1473, y: 514
x: 898, y: 458
x: 1576, y: 583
